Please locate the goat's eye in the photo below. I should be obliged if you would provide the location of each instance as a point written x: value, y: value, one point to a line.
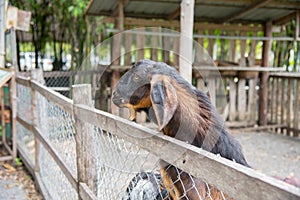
x: 136, y: 78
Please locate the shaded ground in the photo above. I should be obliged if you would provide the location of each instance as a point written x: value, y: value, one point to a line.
x: 272, y: 154
x: 15, y: 182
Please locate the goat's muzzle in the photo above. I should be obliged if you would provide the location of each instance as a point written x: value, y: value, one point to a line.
x: 119, y: 101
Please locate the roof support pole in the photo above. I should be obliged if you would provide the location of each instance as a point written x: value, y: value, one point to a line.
x: 264, y: 76
x: 116, y: 50
x: 3, y: 5
x: 186, y: 39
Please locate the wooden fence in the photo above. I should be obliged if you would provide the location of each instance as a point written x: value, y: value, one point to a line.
x: 236, y: 180
x: 284, y: 103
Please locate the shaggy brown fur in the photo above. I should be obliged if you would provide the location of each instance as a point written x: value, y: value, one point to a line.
x: 181, y: 111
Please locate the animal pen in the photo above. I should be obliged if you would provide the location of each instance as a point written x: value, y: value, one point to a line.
x: 76, y: 151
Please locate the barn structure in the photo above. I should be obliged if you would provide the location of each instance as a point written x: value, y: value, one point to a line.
x: 246, y: 25
x: 75, y: 151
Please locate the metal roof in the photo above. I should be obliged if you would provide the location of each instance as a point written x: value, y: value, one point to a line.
x: 215, y: 11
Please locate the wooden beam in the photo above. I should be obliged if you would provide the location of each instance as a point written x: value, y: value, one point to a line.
x: 285, y: 19
x: 116, y: 11
x: 129, y: 21
x: 263, y: 92
x: 174, y: 14
x: 186, y: 39
x: 250, y: 185
x: 246, y: 10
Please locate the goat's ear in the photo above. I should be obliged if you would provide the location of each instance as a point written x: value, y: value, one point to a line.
x: 164, y: 101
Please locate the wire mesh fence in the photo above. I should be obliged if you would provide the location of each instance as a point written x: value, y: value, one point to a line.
x: 25, y: 137
x: 104, y: 159
x: 122, y: 169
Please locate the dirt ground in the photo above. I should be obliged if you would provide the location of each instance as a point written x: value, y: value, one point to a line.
x: 272, y: 154
x: 15, y: 182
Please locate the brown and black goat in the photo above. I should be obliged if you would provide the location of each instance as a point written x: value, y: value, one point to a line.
x: 181, y: 111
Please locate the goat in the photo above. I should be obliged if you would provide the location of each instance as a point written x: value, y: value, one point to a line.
x: 146, y: 186
x: 181, y: 111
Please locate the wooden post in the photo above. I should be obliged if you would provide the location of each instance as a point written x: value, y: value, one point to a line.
x: 264, y: 76
x: 3, y: 115
x: 242, y: 99
x: 13, y: 102
x: 232, y: 100
x: 296, y: 109
x: 186, y: 39
x: 140, y: 45
x: 154, y: 52
x: 86, y: 169
x: 277, y: 102
x: 232, y: 48
x: 2, y: 32
x: 282, y: 106
x: 252, y: 83
x: 116, y: 51
x: 128, y: 44
x: 36, y: 75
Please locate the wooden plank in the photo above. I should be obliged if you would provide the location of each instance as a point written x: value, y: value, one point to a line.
x: 252, y: 99
x: 2, y: 115
x: 259, y: 128
x: 154, y: 43
x: 86, y: 166
x: 62, y: 89
x: 277, y: 97
x: 54, y: 97
x: 285, y: 75
x: 13, y: 104
x: 296, y: 107
x: 289, y: 106
x: 241, y: 104
x: 6, y: 158
x: 235, y: 180
x: 232, y: 47
x: 129, y: 21
x: 232, y: 100
x: 36, y: 75
x: 212, y: 90
x: 200, y: 54
x: 128, y: 53
x: 56, y: 157
x: 24, y: 123
x: 211, y: 43
x: 272, y: 99
x: 243, y: 43
x: 140, y: 45
x: 86, y: 193
x: 167, y: 46
x: 282, y: 105
x: 176, y: 50
x: 25, y: 81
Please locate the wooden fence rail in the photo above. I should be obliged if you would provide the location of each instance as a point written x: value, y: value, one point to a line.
x: 237, y: 181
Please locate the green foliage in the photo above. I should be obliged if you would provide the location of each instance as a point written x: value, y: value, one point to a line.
x: 18, y: 162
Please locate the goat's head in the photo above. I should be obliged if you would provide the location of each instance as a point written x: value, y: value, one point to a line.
x: 144, y: 87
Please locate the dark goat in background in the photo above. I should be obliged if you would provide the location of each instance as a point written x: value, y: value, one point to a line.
x: 181, y: 111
